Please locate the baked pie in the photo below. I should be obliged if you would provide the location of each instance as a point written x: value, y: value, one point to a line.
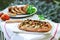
x: 35, y: 26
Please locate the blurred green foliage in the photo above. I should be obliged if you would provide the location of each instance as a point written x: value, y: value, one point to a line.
x: 5, y: 3
x: 57, y: 0
x: 50, y: 10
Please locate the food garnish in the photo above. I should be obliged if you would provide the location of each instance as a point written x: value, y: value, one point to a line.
x: 41, y: 17
x: 31, y: 9
x: 5, y: 17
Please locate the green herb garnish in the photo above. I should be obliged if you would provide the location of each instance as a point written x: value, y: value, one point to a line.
x: 31, y: 9
x: 41, y: 17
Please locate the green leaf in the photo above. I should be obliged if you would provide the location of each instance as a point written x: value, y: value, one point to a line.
x: 41, y: 17
x: 30, y: 9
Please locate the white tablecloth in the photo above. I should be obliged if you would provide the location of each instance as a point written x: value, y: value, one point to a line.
x: 9, y: 35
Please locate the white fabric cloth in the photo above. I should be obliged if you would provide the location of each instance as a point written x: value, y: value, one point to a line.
x: 9, y: 35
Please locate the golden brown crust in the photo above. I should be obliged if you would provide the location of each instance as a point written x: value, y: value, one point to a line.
x: 45, y: 27
x: 11, y: 14
x: 21, y: 10
x: 18, y: 10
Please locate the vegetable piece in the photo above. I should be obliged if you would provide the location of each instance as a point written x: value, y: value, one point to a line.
x: 30, y: 9
x: 41, y: 17
x: 5, y: 17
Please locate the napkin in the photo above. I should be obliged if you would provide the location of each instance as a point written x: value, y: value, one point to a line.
x: 10, y: 35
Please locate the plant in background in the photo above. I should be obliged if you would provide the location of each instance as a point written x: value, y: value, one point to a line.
x: 53, y: 12
x: 50, y: 10
x: 5, y: 3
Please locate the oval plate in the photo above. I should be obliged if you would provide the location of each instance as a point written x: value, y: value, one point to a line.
x: 19, y: 16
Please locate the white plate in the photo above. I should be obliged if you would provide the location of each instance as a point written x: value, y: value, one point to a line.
x: 6, y: 11
x: 14, y: 27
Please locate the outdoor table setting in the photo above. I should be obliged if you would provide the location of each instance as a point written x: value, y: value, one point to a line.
x: 10, y: 35
x: 22, y: 22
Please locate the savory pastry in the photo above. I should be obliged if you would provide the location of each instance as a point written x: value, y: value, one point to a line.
x: 11, y: 10
x: 18, y: 10
x: 21, y: 10
x: 24, y: 8
x: 35, y: 26
x: 11, y: 14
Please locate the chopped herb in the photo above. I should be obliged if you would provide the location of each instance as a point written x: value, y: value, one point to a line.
x: 31, y: 9
x: 41, y: 17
